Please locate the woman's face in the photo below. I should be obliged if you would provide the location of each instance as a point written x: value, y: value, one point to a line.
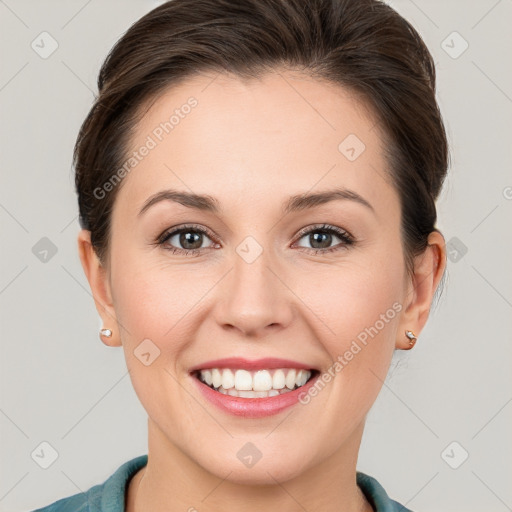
x: 252, y: 286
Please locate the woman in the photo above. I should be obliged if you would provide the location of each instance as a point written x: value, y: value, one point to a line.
x: 257, y: 184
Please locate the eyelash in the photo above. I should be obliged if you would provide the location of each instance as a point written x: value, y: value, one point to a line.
x: 347, y: 239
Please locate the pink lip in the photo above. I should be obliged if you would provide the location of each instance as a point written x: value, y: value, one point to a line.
x: 257, y: 364
x: 254, y: 407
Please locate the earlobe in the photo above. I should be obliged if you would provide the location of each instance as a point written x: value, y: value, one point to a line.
x: 97, y: 277
x: 428, y: 271
x: 107, y: 337
x: 412, y: 338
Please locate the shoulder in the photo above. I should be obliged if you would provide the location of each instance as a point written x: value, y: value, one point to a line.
x: 108, y: 496
x: 377, y: 496
x: 76, y: 503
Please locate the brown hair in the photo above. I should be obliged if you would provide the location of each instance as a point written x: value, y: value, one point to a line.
x: 363, y: 45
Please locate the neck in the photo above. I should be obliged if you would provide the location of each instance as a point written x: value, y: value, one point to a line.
x: 171, y: 481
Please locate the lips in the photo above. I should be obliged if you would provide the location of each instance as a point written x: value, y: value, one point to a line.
x: 255, y: 364
x: 253, y: 388
x: 255, y: 383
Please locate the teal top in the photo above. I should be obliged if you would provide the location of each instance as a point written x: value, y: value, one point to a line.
x: 110, y: 495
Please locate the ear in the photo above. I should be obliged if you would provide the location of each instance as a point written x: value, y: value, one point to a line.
x: 100, y: 286
x: 429, y: 268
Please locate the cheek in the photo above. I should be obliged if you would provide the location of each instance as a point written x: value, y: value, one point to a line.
x: 152, y: 305
x: 356, y: 308
x: 152, y: 300
x: 356, y: 311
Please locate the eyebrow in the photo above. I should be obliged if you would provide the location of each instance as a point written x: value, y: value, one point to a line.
x: 204, y: 202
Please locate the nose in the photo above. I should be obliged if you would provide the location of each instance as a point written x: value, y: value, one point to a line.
x: 255, y: 301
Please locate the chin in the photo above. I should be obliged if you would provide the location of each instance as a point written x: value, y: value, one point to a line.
x: 268, y: 465
x: 262, y: 473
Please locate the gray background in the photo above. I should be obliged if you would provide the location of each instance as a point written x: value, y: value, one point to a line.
x: 61, y: 385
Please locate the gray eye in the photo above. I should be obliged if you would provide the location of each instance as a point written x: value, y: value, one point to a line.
x: 320, y: 239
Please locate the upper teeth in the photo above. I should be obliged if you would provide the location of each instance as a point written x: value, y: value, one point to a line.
x: 259, y: 380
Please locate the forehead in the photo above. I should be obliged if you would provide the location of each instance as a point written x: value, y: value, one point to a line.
x: 241, y: 140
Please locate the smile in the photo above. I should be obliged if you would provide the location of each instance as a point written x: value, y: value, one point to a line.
x: 253, y: 388
x: 262, y: 383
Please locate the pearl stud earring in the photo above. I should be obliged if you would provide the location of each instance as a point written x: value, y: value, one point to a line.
x: 412, y: 337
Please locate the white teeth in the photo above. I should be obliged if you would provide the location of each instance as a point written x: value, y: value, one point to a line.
x: 262, y: 381
x: 216, y: 378
x: 228, y: 379
x: 290, y: 379
x: 207, y: 376
x: 278, y: 380
x: 301, y: 378
x: 247, y: 394
x: 252, y: 394
x: 254, y: 384
x: 243, y: 380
